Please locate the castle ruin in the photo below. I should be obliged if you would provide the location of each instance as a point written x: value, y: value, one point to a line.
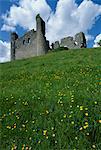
x: 34, y: 43
x: 79, y: 41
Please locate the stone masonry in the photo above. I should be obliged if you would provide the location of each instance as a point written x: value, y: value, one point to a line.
x: 33, y: 43
x: 72, y: 43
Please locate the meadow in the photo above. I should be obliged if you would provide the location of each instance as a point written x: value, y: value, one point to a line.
x: 52, y: 102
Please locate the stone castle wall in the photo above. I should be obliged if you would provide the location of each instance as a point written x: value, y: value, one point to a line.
x: 79, y: 41
x: 33, y: 43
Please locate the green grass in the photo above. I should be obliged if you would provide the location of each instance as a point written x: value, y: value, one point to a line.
x: 52, y: 102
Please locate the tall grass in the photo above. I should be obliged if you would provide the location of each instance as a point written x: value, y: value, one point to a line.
x: 52, y: 102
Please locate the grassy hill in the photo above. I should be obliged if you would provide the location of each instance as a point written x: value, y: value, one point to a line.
x: 52, y: 102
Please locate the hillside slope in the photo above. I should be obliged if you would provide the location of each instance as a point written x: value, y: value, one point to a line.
x: 52, y: 102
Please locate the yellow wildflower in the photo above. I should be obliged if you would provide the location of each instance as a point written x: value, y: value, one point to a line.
x: 53, y: 135
x: 39, y: 142
x: 45, y: 132
x: 81, y: 129
x: 23, y: 125
x: 72, y: 122
x: 64, y: 116
x: 86, y: 126
x: 86, y: 114
x: 81, y: 107
x: 86, y: 123
x: 47, y: 112
x: 93, y: 146
x: 76, y: 138
x: 14, y: 126
x: 8, y: 127
x: 95, y: 102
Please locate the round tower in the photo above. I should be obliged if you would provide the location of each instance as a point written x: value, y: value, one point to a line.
x: 14, y: 36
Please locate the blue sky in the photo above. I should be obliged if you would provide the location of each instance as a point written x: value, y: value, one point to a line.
x: 83, y: 9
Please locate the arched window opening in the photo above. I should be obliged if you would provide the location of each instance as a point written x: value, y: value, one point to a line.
x: 23, y: 42
x: 29, y: 40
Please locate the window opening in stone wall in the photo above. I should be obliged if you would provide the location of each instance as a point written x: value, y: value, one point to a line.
x: 29, y: 40
x: 23, y: 42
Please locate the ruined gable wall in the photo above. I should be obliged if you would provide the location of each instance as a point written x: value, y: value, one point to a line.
x: 68, y: 42
x: 26, y: 46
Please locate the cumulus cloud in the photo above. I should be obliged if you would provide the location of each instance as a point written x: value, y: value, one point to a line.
x: 70, y: 18
x: 24, y: 14
x: 97, y: 39
x: 4, y: 51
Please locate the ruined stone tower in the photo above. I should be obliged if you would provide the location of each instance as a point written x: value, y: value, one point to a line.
x: 33, y: 43
x: 14, y: 37
x: 41, y: 39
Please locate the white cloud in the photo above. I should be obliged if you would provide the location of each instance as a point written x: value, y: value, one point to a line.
x: 97, y: 39
x: 4, y: 51
x: 24, y: 14
x: 70, y: 18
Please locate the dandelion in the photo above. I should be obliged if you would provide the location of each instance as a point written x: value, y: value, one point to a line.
x: 81, y: 128
x: 52, y: 128
x: 27, y: 148
x: 26, y: 103
x: 33, y: 121
x: 8, y: 127
x: 72, y: 122
x: 95, y: 102
x: 23, y: 125
x: 64, y: 116
x: 93, y: 146
x: 53, y: 135
x: 87, y: 133
x: 14, y: 126
x: 30, y: 138
x: 86, y: 123
x: 47, y: 112
x: 86, y: 126
x: 81, y: 107
x: 23, y: 146
x: 45, y: 132
x: 86, y: 114
x: 46, y: 137
x: 39, y: 142
x: 76, y: 138
x: 34, y: 130
x: 70, y: 116
x: 86, y: 108
x: 61, y: 104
